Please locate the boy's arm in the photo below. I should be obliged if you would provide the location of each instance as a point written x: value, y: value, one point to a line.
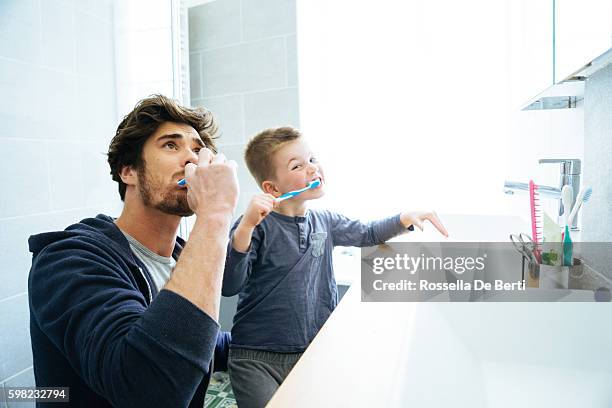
x: 238, y: 264
x: 347, y: 232
x: 244, y: 244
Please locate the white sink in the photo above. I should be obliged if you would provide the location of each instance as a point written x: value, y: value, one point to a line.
x: 470, y: 228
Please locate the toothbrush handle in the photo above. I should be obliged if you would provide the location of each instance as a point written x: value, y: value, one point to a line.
x: 296, y: 192
x: 286, y: 196
x: 574, y: 212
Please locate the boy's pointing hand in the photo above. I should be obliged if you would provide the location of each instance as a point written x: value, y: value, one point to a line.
x: 417, y: 218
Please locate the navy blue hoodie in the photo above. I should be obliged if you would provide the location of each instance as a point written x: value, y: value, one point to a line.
x: 99, y: 327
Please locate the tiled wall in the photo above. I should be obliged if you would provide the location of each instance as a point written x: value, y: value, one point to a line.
x: 597, y: 168
x: 597, y: 214
x: 58, y: 112
x: 243, y: 67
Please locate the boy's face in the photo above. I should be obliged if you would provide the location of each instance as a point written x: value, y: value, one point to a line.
x: 295, y: 167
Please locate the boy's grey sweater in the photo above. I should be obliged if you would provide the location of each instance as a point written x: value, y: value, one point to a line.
x: 286, y: 279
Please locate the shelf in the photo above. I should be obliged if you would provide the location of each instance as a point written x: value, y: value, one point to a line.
x: 569, y: 92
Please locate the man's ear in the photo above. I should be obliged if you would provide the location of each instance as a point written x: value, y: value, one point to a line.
x: 269, y: 187
x: 128, y: 175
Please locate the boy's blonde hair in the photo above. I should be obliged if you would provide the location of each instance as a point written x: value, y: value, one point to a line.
x: 260, y: 150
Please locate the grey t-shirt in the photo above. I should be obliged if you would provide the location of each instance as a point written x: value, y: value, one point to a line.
x: 160, y: 267
x: 286, y: 279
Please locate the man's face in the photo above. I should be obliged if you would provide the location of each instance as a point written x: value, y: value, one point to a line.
x: 165, y: 155
x: 295, y: 167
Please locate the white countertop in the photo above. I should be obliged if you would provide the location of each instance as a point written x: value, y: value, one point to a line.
x: 455, y: 355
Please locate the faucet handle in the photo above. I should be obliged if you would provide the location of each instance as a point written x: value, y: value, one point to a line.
x: 568, y: 166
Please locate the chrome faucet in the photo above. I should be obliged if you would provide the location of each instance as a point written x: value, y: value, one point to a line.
x: 569, y: 175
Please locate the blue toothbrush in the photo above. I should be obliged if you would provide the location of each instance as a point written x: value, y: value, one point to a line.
x: 290, y: 194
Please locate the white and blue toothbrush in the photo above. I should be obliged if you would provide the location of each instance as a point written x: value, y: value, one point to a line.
x: 290, y: 194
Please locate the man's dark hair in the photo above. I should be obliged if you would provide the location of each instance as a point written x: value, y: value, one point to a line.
x: 126, y: 147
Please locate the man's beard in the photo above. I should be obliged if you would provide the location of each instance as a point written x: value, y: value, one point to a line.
x: 172, y: 202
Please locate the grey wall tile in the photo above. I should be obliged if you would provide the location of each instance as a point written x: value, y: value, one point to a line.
x: 292, y: 60
x: 100, y: 9
x: 59, y: 105
x: 104, y: 10
x: 99, y: 186
x: 195, y: 76
x: 229, y: 112
x: 20, y: 108
x: 214, y: 24
x: 224, y: 70
x: 2, y: 400
x: 24, y: 379
x: 271, y: 109
x: 58, y: 36
x: 15, y: 347
x: 14, y: 234
x: 94, y: 46
x: 243, y: 201
x: 227, y: 310
x: 65, y: 175
x: 267, y: 18
x: 20, y: 30
x: 597, y: 213
x: 111, y: 208
x: 95, y: 119
x: 21, y: 405
x: 247, y: 184
x: 26, y: 174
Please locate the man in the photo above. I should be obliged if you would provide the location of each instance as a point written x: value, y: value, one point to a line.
x: 115, y: 314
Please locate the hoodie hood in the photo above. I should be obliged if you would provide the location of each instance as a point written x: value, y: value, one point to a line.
x: 102, y: 227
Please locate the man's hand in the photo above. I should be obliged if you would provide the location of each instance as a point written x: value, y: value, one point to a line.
x: 212, y: 193
x: 212, y: 185
x: 417, y: 218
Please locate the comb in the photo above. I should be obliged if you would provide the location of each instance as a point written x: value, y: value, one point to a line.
x: 536, y: 219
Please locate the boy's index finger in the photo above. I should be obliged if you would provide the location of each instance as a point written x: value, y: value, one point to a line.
x: 433, y: 218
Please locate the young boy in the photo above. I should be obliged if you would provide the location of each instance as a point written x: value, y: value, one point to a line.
x: 280, y: 261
